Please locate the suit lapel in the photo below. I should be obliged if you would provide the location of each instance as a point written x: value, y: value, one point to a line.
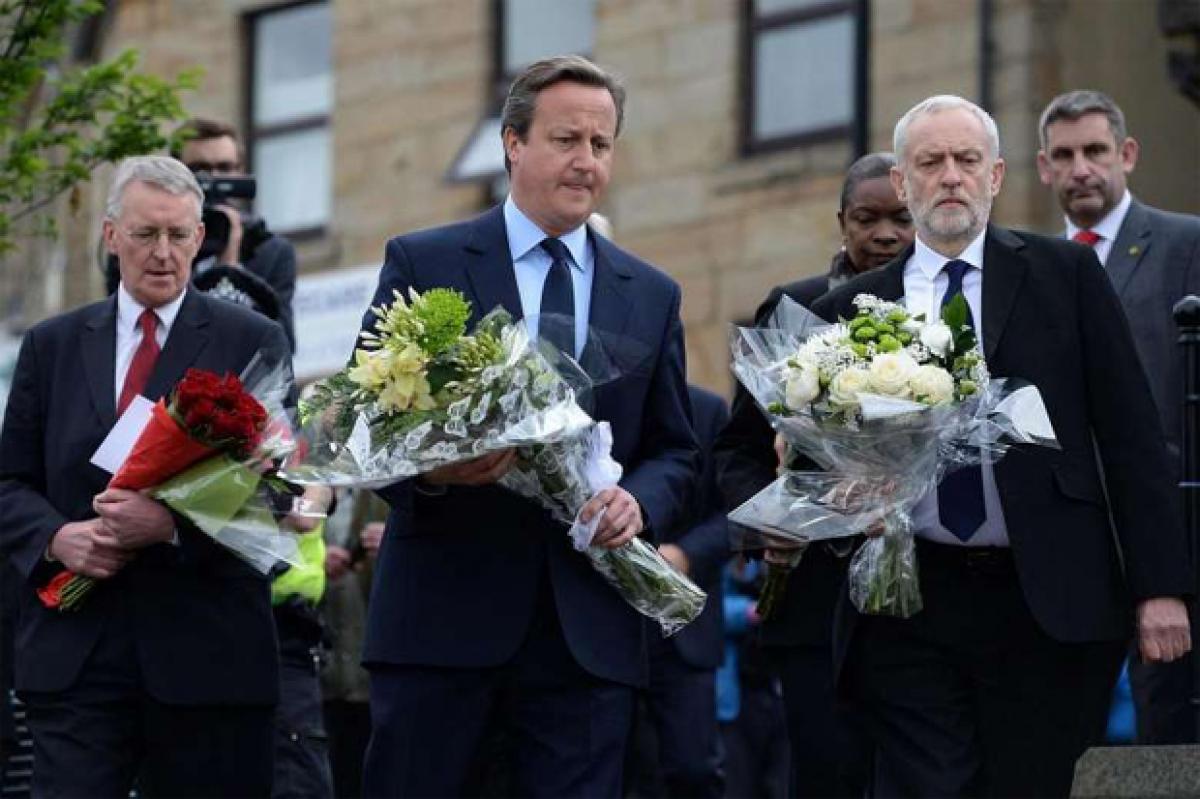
x: 1004, y: 269
x: 1129, y: 248
x: 891, y: 277
x: 98, y: 346
x: 611, y: 299
x: 489, y: 265
x: 188, y: 337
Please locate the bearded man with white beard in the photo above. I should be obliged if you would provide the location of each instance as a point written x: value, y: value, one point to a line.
x: 1002, y: 681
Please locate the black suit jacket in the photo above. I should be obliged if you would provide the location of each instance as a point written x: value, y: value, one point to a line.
x: 705, y: 540
x: 201, y: 618
x: 458, y: 572
x: 1155, y: 262
x: 1051, y: 317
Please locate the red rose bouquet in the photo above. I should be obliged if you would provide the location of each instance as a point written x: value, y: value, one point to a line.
x: 201, y: 453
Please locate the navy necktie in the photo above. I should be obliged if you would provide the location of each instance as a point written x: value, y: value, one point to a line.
x: 557, y: 321
x: 960, y: 495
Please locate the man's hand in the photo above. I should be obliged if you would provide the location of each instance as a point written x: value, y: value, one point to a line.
x: 231, y: 255
x: 483, y: 470
x: 780, y: 454
x: 674, y: 554
x: 622, y: 518
x: 337, y: 562
x: 1163, y: 631
x: 371, y: 537
x: 88, y: 548
x: 133, y: 518
x: 308, y: 510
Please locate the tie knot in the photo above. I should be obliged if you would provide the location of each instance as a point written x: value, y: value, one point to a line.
x: 148, y: 322
x: 1088, y: 237
x: 955, y: 270
x: 557, y: 250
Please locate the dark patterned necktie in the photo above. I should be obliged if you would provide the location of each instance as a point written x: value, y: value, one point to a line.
x: 557, y: 321
x: 960, y: 495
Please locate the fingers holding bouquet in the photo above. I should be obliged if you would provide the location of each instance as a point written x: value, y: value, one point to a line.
x: 484, y: 470
x: 89, y: 548
x: 133, y: 518
x: 620, y: 517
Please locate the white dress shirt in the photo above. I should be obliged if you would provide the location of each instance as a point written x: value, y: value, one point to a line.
x: 1107, y: 228
x: 531, y: 264
x: 925, y: 285
x: 129, y: 331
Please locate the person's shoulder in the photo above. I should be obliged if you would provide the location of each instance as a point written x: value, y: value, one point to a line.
x: 1171, y: 222
x: 652, y: 278
x: 274, y: 246
x: 839, y: 301
x: 232, y: 315
x: 457, y: 232
x: 72, y: 319
x: 1040, y: 247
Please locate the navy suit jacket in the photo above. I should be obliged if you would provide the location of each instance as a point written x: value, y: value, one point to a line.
x: 458, y: 572
x: 705, y: 540
x: 1050, y: 317
x: 200, y: 617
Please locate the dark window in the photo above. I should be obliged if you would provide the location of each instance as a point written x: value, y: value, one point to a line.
x: 805, y: 72
x: 290, y: 97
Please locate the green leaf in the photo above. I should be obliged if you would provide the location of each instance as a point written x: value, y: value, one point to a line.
x: 954, y: 313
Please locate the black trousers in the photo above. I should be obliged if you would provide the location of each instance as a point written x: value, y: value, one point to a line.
x: 565, y: 731
x: 1162, y: 695
x: 103, y: 734
x: 969, y: 697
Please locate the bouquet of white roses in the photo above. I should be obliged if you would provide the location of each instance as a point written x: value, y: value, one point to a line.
x: 422, y: 393
x: 887, y: 404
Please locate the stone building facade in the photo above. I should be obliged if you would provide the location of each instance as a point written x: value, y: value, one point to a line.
x: 412, y: 80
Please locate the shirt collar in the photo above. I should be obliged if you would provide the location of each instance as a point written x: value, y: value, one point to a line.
x: 524, y: 235
x: 1110, y: 225
x: 130, y: 310
x: 930, y: 261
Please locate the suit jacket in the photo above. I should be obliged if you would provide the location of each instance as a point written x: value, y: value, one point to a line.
x: 458, y: 572
x: 1051, y: 317
x: 274, y: 260
x: 705, y: 540
x: 201, y: 618
x: 745, y: 460
x: 1154, y: 263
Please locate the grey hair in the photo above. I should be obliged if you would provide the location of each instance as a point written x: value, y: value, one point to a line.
x: 1073, y: 105
x: 162, y: 171
x: 945, y: 102
x: 521, y: 101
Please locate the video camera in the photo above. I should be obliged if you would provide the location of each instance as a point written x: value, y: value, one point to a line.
x: 219, y: 191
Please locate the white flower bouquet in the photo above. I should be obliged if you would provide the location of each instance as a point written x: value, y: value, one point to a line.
x: 886, y: 404
x: 423, y: 393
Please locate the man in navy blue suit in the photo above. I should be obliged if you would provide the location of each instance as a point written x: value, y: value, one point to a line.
x: 168, y: 672
x: 481, y: 608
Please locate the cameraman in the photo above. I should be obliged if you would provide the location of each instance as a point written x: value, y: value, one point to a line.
x: 213, y: 149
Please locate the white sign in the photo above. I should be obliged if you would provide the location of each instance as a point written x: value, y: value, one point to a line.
x: 328, y: 308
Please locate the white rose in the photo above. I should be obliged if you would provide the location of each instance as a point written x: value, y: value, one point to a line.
x: 937, y: 337
x: 889, y: 373
x: 931, y: 385
x: 845, y: 386
x: 803, y: 386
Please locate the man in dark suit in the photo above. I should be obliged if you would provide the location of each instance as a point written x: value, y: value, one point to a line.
x: 480, y: 605
x: 169, y: 668
x: 998, y: 685
x: 1152, y: 258
x: 681, y: 700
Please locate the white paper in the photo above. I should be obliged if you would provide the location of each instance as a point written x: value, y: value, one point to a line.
x: 115, y: 448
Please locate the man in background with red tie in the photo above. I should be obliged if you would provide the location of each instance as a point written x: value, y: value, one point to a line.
x: 168, y: 672
x: 1153, y: 260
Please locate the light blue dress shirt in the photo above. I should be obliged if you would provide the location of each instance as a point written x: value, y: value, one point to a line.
x: 925, y: 285
x: 531, y: 264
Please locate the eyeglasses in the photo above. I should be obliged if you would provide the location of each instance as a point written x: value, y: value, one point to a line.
x: 148, y: 237
x: 216, y: 168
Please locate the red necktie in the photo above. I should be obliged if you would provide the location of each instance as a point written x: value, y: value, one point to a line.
x: 1088, y: 237
x: 143, y: 361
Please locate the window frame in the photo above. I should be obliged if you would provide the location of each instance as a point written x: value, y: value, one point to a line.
x: 254, y: 133
x: 754, y: 25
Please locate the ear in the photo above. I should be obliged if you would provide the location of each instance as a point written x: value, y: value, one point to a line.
x: 512, y: 144
x: 997, y: 176
x: 897, y: 179
x: 1129, y: 154
x: 842, y: 224
x: 1045, y: 174
x: 108, y: 231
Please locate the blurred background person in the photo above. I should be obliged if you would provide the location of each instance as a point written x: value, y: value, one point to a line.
x: 1152, y: 258
x: 828, y: 754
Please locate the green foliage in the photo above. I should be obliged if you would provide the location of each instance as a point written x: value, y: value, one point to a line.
x: 55, y: 129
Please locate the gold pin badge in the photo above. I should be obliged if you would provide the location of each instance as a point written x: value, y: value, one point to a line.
x: 1134, y: 250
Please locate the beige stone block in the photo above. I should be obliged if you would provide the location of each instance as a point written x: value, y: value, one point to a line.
x: 699, y: 302
x: 702, y: 49
x: 889, y: 17
x: 619, y: 21
x: 664, y: 202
